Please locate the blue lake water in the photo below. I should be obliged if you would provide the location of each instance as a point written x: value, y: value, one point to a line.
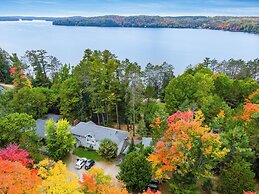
x: 179, y: 47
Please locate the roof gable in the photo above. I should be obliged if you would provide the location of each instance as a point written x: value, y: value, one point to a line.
x: 99, y: 132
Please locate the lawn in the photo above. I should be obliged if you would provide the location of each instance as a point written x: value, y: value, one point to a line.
x: 89, y: 154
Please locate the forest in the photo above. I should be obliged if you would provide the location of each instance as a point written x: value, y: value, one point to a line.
x: 226, y: 23
x: 204, y: 123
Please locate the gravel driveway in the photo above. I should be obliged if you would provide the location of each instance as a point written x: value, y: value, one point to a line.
x: 109, y: 168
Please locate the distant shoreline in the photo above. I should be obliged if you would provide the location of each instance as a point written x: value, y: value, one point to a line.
x: 225, y: 23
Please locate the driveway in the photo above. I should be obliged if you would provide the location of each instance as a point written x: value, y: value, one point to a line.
x: 109, y: 168
x: 7, y: 85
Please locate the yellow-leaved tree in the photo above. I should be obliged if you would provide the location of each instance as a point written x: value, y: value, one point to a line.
x: 59, y: 180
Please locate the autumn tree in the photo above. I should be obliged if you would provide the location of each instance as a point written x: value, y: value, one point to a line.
x: 59, y: 180
x: 14, y: 154
x: 44, y: 167
x: 15, y: 178
x: 96, y: 182
x: 59, y: 139
x: 20, y: 80
x: 186, y: 152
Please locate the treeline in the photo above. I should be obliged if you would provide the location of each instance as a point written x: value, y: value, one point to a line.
x: 227, y: 23
x: 235, y: 24
x: 212, y: 130
x: 100, y: 88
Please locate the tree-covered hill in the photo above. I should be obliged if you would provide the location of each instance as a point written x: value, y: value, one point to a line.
x: 235, y: 24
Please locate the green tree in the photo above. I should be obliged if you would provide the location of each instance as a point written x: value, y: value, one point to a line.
x: 43, y: 65
x: 134, y: 90
x: 63, y: 74
x: 14, y: 125
x: 5, y: 103
x: 108, y: 149
x: 20, y: 129
x: 30, y: 101
x: 236, y: 177
x: 135, y: 171
x: 59, y: 139
x: 71, y: 101
x: 97, y: 72
x: 5, y: 65
x: 237, y: 141
x: 188, y: 90
x: 158, y: 77
x: 233, y: 91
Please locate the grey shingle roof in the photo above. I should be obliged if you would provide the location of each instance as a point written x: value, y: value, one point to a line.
x: 40, y: 123
x: 2, y: 90
x: 146, y: 141
x: 99, y: 132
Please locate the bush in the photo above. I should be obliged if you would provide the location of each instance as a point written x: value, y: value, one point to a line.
x: 237, y: 177
x: 207, y: 186
x: 184, y: 184
x: 135, y: 171
x: 108, y: 149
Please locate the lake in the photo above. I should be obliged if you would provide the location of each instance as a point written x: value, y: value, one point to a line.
x: 179, y: 47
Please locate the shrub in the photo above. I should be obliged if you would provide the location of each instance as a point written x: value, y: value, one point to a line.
x: 108, y: 149
x: 135, y: 171
x: 207, y: 186
x: 237, y: 177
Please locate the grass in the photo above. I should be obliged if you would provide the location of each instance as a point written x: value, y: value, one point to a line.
x: 89, y: 154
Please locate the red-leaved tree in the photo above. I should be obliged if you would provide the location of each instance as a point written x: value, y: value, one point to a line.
x: 15, y: 154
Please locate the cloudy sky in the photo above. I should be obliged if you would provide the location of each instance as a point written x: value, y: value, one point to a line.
x: 128, y: 7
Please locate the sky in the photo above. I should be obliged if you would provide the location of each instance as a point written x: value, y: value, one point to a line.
x: 128, y: 7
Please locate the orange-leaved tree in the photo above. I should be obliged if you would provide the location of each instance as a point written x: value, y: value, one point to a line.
x: 96, y: 182
x: 187, y: 148
x: 251, y: 106
x: 20, y: 80
x: 250, y: 118
x: 17, y: 179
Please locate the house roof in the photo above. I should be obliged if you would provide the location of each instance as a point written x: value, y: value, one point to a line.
x: 2, y: 90
x: 99, y: 132
x: 40, y: 123
x: 146, y: 141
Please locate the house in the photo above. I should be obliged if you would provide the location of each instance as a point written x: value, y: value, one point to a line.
x: 89, y: 135
x: 41, y: 123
